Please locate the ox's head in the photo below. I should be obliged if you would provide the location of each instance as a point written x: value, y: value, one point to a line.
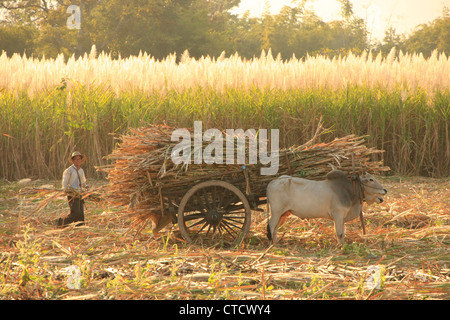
x: 373, y: 190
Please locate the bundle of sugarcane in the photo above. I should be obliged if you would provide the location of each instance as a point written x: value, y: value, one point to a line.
x: 50, y: 193
x: 143, y: 176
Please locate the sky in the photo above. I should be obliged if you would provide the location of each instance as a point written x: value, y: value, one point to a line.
x: 403, y: 15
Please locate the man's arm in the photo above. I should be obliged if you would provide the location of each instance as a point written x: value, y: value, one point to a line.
x: 66, y: 178
x: 83, y: 179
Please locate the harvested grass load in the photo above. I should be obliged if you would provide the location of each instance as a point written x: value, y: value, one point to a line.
x: 50, y: 194
x: 144, y: 178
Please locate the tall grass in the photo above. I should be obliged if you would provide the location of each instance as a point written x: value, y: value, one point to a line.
x: 48, y: 108
x: 144, y: 73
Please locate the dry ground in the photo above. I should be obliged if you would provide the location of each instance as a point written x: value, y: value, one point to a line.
x: 408, y: 238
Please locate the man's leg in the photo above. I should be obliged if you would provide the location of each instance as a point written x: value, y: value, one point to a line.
x: 76, y: 211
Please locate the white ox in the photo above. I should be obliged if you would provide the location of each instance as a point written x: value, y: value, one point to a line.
x: 337, y: 198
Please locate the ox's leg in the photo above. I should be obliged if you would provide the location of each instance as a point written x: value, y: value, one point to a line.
x: 339, y: 226
x: 275, y: 222
x: 272, y: 226
x: 272, y: 229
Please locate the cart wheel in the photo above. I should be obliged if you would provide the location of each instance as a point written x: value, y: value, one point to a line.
x: 214, y: 211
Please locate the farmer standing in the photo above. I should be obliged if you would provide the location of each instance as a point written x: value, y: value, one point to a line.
x: 73, y: 182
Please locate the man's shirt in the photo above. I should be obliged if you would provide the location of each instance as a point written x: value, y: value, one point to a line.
x: 72, y: 180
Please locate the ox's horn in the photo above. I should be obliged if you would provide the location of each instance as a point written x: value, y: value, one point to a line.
x: 353, y: 163
x: 364, y: 169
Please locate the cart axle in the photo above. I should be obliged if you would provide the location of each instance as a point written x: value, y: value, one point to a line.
x: 213, y: 217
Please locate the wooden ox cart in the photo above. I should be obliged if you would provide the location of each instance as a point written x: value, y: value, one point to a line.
x: 213, y: 203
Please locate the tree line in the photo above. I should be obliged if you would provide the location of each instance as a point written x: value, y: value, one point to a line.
x: 203, y: 27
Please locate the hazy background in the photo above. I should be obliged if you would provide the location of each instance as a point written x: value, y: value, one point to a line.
x: 211, y: 27
x: 403, y: 15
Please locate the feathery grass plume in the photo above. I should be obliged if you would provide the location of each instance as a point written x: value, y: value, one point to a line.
x: 146, y: 74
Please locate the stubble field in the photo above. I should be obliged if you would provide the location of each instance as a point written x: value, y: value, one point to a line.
x: 407, y: 241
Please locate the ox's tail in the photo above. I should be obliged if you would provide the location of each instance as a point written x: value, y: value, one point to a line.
x: 269, y: 233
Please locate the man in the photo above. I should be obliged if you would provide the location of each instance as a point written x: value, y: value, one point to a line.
x: 74, y: 180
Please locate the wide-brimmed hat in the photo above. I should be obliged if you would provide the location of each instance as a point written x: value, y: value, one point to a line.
x: 76, y: 153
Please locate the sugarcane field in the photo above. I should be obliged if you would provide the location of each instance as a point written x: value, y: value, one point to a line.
x: 190, y: 152
x: 117, y: 255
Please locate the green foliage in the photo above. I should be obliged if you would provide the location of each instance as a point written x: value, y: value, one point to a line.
x: 204, y: 27
x: 17, y: 39
x: 411, y: 126
x: 428, y: 37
